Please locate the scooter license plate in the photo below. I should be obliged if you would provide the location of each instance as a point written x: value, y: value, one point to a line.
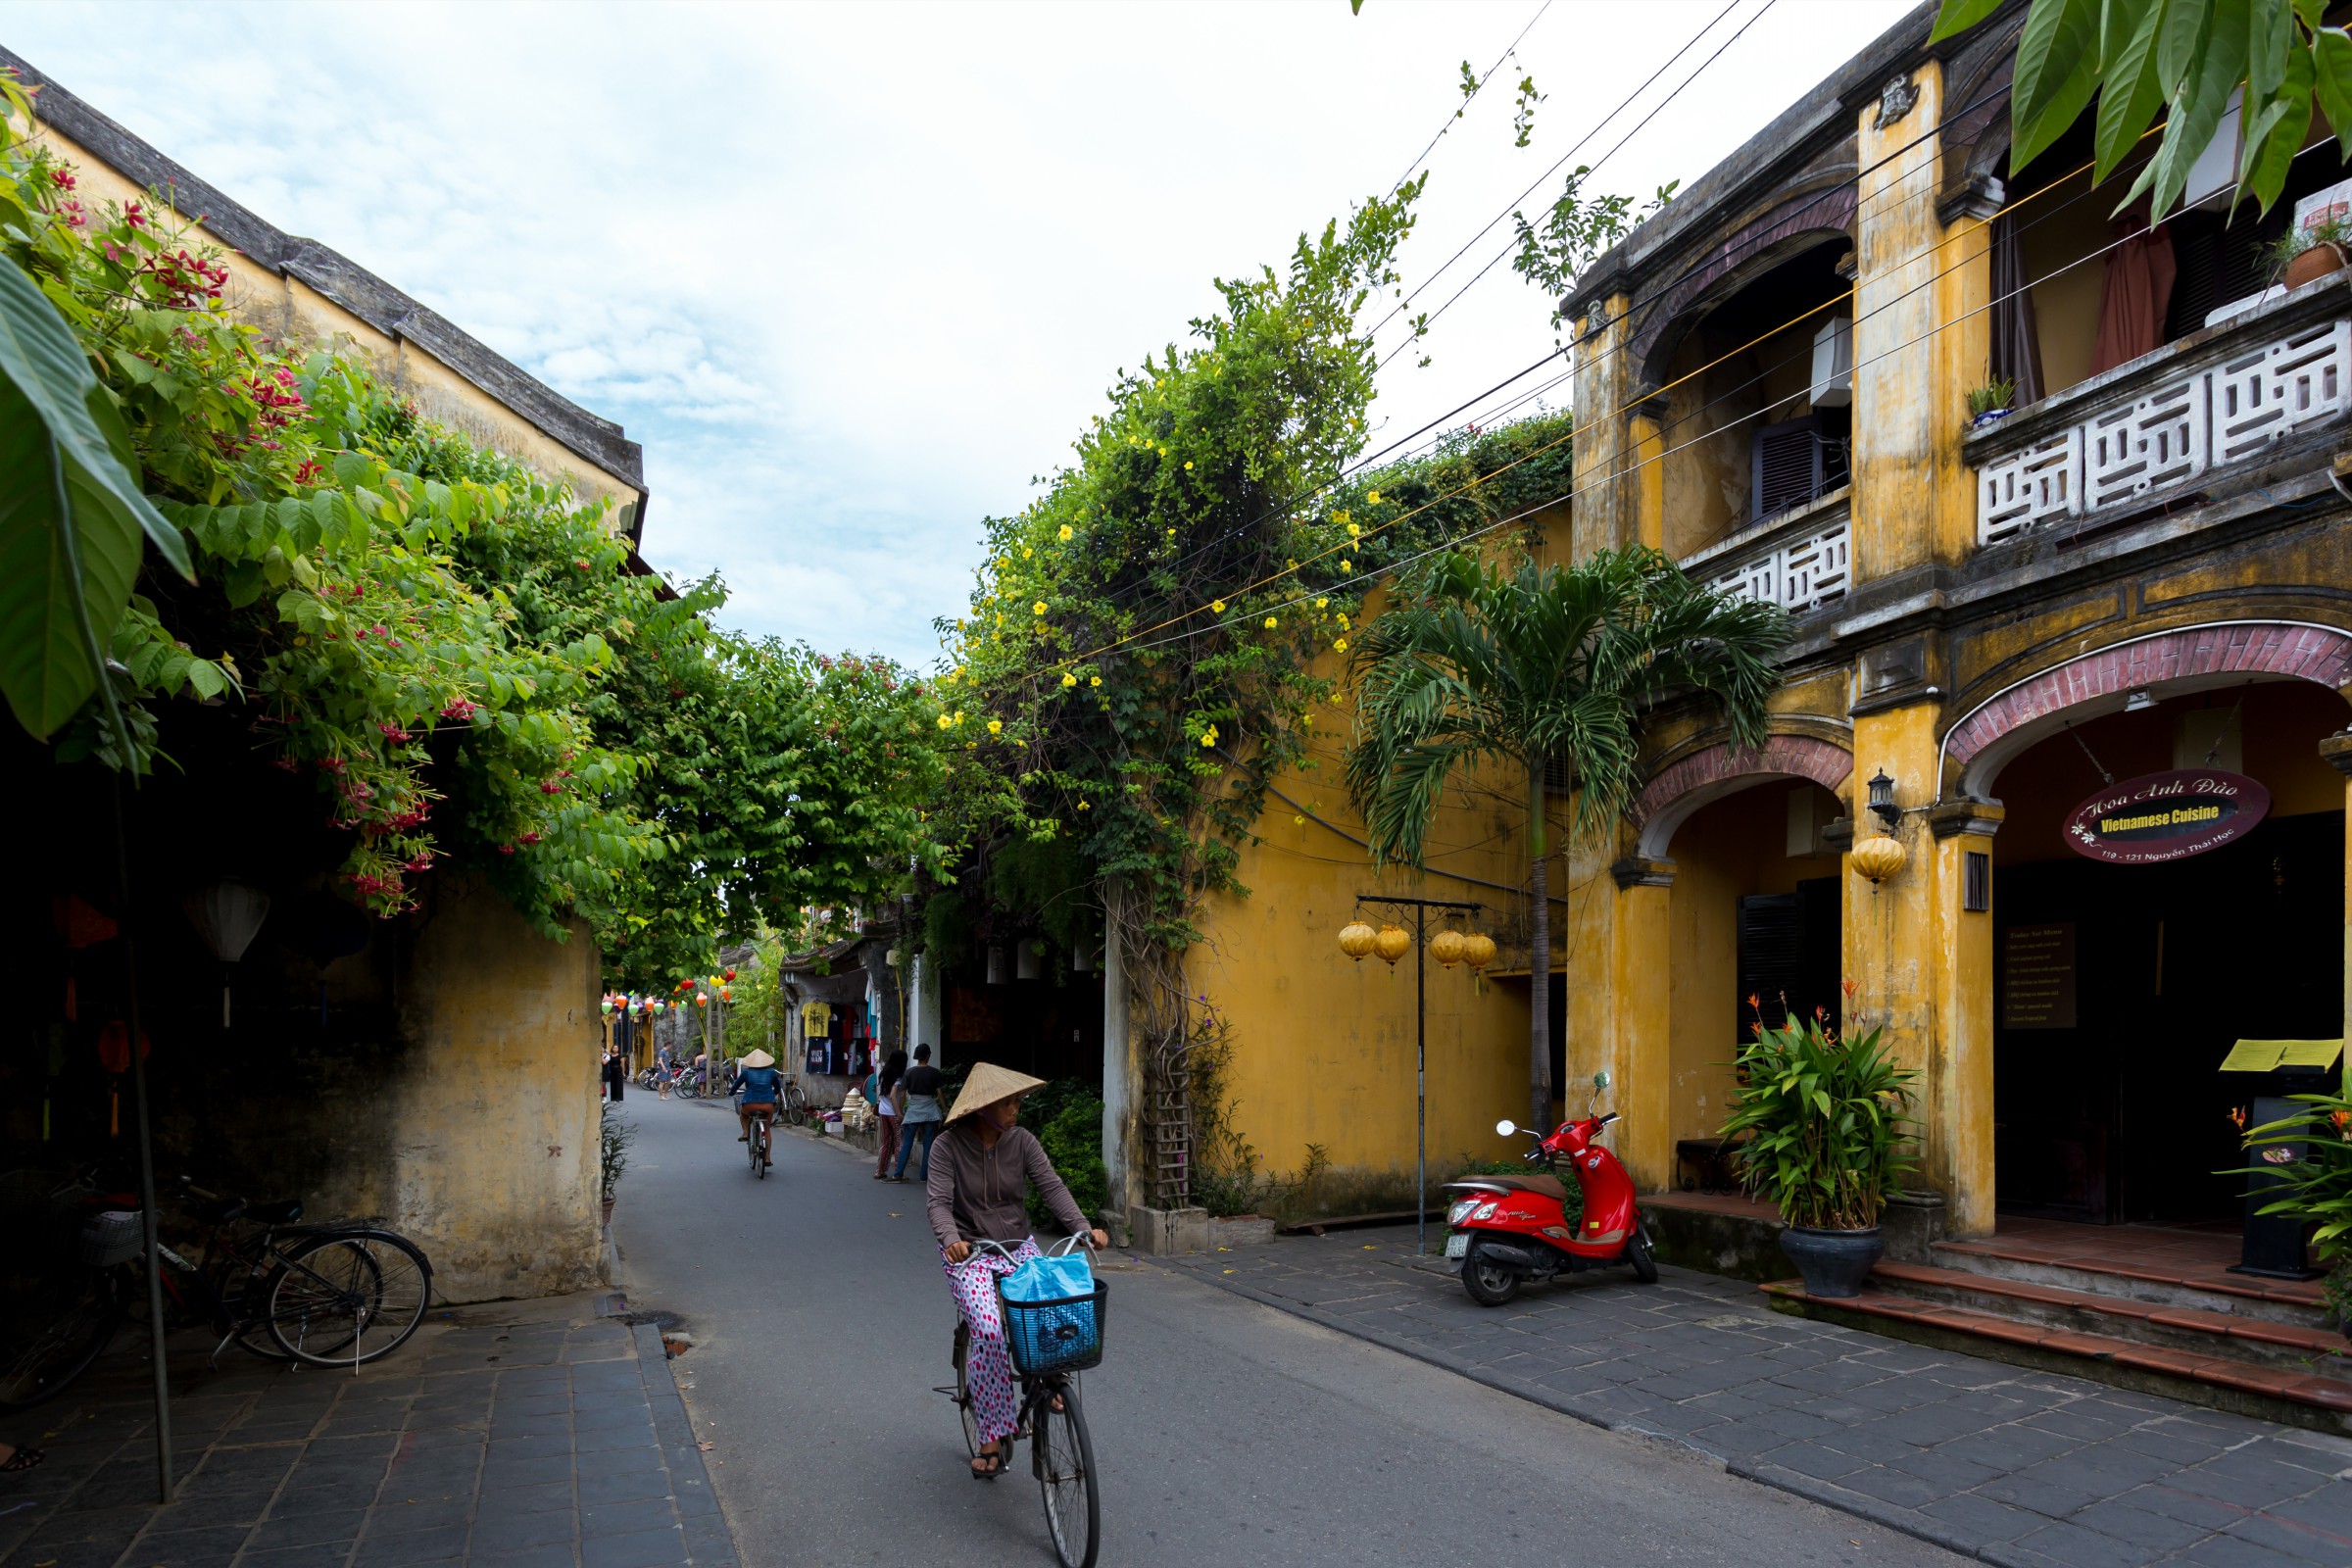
x: 1458, y: 1244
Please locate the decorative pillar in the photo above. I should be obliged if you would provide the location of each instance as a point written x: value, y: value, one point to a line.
x: 1961, y: 1059
x: 1640, y: 1048
x: 1605, y: 470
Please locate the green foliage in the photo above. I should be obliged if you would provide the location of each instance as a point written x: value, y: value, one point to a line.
x: 1575, y: 230
x: 1998, y: 393
x: 2334, y: 230
x: 616, y: 1133
x: 430, y: 629
x: 1066, y: 1116
x: 2318, y: 1187
x: 2184, y: 58
x: 1825, y: 1122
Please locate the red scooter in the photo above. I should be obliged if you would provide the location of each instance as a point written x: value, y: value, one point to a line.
x: 1508, y: 1230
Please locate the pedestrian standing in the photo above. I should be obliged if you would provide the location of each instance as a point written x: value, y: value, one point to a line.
x: 616, y: 1075
x: 920, y: 1115
x: 890, y: 1101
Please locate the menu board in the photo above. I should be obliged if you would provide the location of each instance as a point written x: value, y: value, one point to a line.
x: 2037, y: 976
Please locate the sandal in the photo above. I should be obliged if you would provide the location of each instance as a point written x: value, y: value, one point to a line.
x: 20, y: 1460
x: 989, y: 1466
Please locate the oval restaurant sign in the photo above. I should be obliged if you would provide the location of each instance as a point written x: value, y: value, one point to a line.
x: 2165, y: 816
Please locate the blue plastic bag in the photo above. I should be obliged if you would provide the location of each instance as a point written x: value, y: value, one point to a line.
x: 1051, y: 1279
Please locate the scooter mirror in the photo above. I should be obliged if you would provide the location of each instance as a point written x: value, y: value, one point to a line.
x: 1505, y: 1128
x: 1601, y: 1079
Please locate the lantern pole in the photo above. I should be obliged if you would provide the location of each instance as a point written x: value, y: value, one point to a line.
x: 1420, y: 908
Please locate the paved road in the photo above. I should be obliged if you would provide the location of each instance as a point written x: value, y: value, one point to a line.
x: 1227, y: 1432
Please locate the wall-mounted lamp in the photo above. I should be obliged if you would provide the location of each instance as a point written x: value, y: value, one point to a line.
x: 2139, y: 702
x: 1881, y: 799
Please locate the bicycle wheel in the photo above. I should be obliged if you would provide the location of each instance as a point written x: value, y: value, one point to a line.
x: 346, y: 1298
x: 758, y: 1147
x: 796, y: 1105
x: 1063, y: 1458
x: 963, y: 1403
x: 57, y: 1331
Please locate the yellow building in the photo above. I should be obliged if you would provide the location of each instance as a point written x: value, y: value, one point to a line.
x: 440, y: 1071
x: 2143, y: 567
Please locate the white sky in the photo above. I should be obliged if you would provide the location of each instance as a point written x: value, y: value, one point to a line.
x: 854, y: 275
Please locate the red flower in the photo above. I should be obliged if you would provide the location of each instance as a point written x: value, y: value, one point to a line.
x: 531, y: 837
x: 506, y: 848
x: 133, y: 216
x: 548, y: 786
x: 62, y: 178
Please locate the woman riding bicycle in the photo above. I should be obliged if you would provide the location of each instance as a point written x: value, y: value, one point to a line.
x: 763, y: 1090
x: 981, y: 1169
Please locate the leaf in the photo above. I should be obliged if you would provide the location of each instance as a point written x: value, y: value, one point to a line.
x: 2272, y: 141
x: 1958, y: 16
x: 2182, y: 37
x: 2057, y: 71
x: 2331, y: 80
x: 2131, y: 92
x: 2197, y: 110
x: 2271, y: 36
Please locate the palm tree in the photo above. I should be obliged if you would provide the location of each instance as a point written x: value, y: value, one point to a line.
x: 1479, y: 664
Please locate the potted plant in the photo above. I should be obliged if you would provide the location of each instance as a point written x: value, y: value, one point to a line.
x: 1826, y: 1128
x: 1988, y: 404
x: 2310, y: 250
x: 618, y: 1134
x: 2307, y: 1162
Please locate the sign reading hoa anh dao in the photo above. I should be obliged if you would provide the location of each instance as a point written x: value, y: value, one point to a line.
x: 2165, y: 816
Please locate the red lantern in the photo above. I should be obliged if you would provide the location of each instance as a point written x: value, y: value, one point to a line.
x: 725, y: 993
x: 730, y: 974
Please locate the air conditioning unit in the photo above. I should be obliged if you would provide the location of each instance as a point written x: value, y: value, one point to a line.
x: 1833, y: 363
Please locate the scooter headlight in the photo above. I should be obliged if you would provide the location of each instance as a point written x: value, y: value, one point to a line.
x: 1460, y: 1210
x: 1484, y: 1211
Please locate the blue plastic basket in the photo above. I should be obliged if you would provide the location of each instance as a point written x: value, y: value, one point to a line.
x: 1064, y: 1336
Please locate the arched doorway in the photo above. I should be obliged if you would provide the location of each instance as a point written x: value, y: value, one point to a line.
x: 2118, y: 988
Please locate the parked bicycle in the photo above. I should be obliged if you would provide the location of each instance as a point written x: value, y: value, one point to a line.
x: 1051, y: 1343
x: 796, y: 1104
x: 327, y: 1295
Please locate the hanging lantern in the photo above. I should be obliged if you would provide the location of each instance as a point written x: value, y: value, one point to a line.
x: 726, y: 994
x: 1391, y: 942
x: 227, y: 916
x: 1478, y: 951
x: 1357, y: 938
x: 1877, y: 858
x: 730, y: 974
x: 604, y: 1007
x: 701, y: 1000
x: 1447, y: 948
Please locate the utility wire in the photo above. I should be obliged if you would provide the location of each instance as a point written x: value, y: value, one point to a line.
x: 1471, y: 97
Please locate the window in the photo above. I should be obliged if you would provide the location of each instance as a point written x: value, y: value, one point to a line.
x: 1977, y: 896
x: 1788, y: 956
x: 1797, y: 462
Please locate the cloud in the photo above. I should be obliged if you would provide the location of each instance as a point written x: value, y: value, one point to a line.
x: 854, y: 275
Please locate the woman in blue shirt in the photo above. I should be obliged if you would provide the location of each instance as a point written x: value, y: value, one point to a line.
x: 759, y: 1084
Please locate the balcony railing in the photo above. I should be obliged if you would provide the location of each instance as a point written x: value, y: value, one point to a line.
x: 1799, y: 561
x: 2164, y: 421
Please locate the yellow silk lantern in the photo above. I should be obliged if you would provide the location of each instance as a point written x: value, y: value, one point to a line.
x: 1877, y: 858
x: 1355, y: 940
x: 1478, y: 950
x: 1392, y: 943
x: 1447, y: 948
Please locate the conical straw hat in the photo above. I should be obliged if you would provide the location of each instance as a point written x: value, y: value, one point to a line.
x: 758, y: 1058
x: 990, y: 1083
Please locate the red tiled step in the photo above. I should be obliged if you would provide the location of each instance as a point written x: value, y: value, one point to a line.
x: 2293, y: 1337
x: 2271, y: 1383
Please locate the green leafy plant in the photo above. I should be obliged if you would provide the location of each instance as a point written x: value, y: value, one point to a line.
x: 1066, y: 1116
x: 1573, y: 230
x: 2334, y: 229
x: 2184, y: 58
x: 1478, y: 665
x: 1825, y: 1122
x: 1998, y: 393
x: 617, y: 1134
x: 2317, y: 1187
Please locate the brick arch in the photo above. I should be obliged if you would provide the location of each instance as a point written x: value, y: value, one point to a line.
x: 1796, y: 223
x: 2013, y: 719
x: 1714, y: 771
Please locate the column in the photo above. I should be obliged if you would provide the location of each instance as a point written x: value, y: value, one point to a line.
x: 1640, y: 1054
x: 1962, y: 1057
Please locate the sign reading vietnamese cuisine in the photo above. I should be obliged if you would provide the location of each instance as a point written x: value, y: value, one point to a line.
x: 2165, y: 816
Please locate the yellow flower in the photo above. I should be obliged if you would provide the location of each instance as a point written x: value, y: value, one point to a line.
x: 1083, y: 806
x: 1374, y: 498
x: 1344, y: 566
x: 1068, y: 679
x: 960, y: 716
x: 1188, y: 467
x: 1310, y: 721
x: 1209, y: 740
x: 1038, y: 608
x: 996, y: 726
x: 1355, y: 531
x: 971, y: 746
x: 1340, y: 645
x: 1065, y: 533
x: 1320, y: 603
x: 945, y: 722
x: 1217, y: 608
x: 1270, y: 623
x: 1297, y: 821
x: 1342, y: 618
x: 1339, y: 517
x: 1093, y: 680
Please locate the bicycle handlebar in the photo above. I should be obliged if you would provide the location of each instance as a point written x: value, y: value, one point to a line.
x: 1060, y: 1249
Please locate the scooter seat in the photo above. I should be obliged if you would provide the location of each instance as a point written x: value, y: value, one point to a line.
x: 1544, y: 1185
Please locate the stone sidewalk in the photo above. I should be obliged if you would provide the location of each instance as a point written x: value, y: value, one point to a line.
x: 525, y: 1435
x: 2011, y: 1466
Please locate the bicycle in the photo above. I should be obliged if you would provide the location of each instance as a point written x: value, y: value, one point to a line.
x: 330, y: 1296
x: 761, y: 1159
x: 1051, y: 1344
x: 796, y: 1104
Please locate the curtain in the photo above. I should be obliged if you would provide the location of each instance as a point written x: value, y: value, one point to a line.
x: 2016, y: 341
x: 2137, y: 289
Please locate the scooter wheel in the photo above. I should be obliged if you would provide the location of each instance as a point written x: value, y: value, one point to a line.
x: 1637, y: 1252
x: 1489, y: 1283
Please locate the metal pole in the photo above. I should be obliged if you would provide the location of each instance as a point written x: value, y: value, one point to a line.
x: 138, y: 1101
x: 1421, y: 1077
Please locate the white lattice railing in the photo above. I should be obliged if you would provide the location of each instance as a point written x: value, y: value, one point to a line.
x: 2179, y: 428
x: 1797, y: 573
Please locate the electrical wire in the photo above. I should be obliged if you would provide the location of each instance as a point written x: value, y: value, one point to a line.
x: 1472, y: 97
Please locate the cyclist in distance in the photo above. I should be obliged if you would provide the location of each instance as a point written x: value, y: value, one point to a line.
x: 981, y: 1170
x: 763, y: 1090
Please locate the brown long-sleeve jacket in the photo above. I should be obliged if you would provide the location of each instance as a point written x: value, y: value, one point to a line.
x: 976, y: 1192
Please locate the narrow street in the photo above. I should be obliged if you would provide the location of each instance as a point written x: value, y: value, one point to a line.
x: 1226, y: 1432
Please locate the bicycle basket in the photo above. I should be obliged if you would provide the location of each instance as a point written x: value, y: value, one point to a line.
x: 113, y: 1237
x: 1064, y: 1336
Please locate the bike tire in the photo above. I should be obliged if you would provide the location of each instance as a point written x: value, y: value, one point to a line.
x: 963, y: 1403
x: 63, y: 1329
x: 758, y: 1150
x: 1061, y: 1452
x: 348, y: 1297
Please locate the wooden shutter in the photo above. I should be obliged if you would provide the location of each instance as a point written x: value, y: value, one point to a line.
x: 1786, y: 461
x: 1771, y: 930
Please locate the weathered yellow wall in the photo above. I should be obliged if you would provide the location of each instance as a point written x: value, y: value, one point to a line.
x: 290, y: 310
x: 495, y: 1149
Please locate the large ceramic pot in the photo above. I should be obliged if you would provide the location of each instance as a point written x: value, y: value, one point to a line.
x: 1833, y: 1264
x: 2314, y: 263
x: 607, y: 1206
